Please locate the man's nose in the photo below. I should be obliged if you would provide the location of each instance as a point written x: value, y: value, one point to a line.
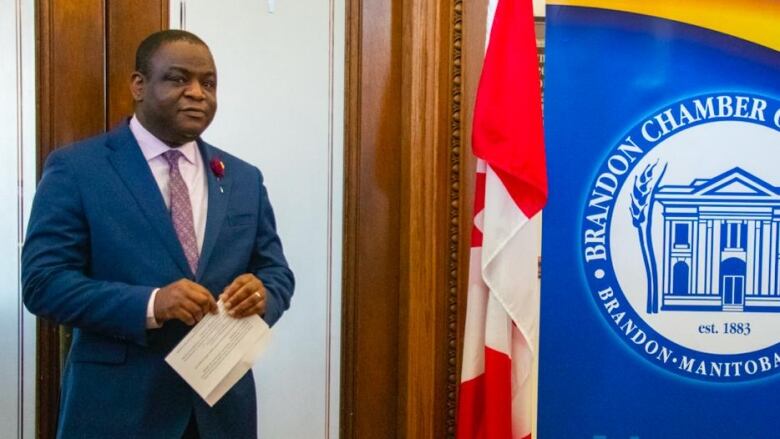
x: 195, y: 90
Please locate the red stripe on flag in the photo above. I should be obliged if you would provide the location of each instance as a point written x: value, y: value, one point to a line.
x: 479, y: 205
x: 479, y: 193
x: 485, y: 405
x: 476, y: 237
x: 508, y: 131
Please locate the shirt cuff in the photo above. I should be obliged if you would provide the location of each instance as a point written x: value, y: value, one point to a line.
x: 151, y: 322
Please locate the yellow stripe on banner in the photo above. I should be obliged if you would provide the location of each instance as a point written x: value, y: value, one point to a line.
x: 757, y: 21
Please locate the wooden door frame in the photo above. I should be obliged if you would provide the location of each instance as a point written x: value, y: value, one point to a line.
x: 434, y: 67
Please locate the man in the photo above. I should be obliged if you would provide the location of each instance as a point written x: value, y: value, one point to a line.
x: 134, y: 236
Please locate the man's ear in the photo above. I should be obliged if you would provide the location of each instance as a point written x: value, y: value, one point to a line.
x: 137, y: 86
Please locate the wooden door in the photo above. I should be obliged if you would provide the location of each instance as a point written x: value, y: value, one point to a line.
x: 85, y: 54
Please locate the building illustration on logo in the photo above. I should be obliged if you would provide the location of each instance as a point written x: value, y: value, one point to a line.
x: 720, y: 249
x: 680, y: 243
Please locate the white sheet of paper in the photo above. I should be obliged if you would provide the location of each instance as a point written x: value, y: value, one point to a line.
x: 218, y: 351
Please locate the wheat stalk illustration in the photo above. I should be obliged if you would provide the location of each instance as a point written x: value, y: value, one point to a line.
x: 640, y: 196
x: 641, y: 216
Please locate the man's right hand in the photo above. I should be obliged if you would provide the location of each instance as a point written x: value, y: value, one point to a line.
x: 183, y: 300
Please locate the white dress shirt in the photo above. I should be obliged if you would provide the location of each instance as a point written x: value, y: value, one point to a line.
x: 192, y: 170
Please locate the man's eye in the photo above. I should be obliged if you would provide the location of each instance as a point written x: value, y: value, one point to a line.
x: 177, y: 79
x: 210, y: 84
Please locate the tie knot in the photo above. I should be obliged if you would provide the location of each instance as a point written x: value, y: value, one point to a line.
x: 172, y: 156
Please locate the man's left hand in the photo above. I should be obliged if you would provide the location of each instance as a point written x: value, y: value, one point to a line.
x: 244, y: 296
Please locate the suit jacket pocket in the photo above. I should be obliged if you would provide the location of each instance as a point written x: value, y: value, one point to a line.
x: 242, y: 219
x: 98, y: 350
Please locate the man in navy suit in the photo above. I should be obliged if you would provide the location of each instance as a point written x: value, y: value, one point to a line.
x: 134, y: 236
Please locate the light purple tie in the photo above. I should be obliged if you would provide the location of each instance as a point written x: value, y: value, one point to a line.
x: 181, y: 210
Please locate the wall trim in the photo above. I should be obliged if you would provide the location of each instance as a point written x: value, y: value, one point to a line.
x: 454, y: 215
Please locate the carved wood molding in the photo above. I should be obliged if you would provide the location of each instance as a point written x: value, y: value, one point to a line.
x: 454, y: 215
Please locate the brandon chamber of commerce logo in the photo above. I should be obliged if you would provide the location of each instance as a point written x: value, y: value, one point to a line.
x: 681, y: 237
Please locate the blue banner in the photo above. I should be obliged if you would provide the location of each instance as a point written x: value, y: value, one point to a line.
x: 661, y: 238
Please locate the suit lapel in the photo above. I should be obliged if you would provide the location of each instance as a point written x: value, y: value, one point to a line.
x: 219, y: 194
x: 130, y: 164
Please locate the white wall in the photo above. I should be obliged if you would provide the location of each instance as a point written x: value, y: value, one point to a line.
x: 281, y: 107
x: 17, y: 181
x: 539, y: 6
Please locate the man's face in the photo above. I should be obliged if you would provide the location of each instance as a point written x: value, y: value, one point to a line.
x: 177, y: 99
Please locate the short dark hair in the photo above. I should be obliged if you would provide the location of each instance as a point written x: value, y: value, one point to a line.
x: 150, y: 45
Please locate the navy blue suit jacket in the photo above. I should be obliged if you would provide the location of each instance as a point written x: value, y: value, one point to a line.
x: 100, y: 239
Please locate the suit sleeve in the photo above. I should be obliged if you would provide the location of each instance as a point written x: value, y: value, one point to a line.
x: 56, y: 264
x: 269, y: 263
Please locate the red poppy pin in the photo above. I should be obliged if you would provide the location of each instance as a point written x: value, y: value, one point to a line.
x: 217, y: 167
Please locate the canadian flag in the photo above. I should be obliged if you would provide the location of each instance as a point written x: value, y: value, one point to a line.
x: 502, y: 317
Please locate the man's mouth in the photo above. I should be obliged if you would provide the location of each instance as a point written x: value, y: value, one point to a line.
x: 194, y: 112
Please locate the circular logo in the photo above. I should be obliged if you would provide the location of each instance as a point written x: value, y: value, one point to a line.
x: 681, y: 237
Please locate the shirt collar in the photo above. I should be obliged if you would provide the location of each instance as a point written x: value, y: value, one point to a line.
x: 152, y: 147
